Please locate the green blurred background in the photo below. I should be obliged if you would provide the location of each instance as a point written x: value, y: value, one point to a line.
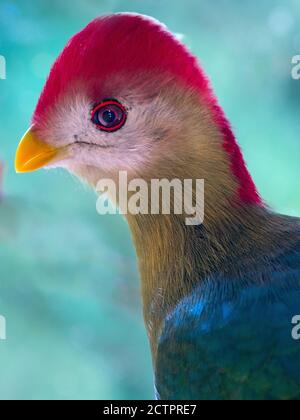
x: 69, y: 286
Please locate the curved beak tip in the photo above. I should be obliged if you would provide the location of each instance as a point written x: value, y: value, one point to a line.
x: 32, y: 153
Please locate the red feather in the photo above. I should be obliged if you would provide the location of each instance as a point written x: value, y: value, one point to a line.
x: 128, y: 42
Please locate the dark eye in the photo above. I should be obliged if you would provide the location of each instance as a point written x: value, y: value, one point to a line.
x: 109, y: 115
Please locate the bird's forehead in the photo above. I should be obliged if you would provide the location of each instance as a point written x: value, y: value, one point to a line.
x: 119, y: 44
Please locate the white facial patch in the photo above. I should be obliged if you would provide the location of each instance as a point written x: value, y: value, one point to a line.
x: 70, y: 126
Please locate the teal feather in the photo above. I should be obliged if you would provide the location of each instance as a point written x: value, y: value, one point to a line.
x: 231, y: 338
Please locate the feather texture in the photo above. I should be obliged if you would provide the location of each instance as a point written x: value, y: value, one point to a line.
x: 230, y: 338
x: 127, y: 44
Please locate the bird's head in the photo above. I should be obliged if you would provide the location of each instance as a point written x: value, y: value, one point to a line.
x: 125, y: 94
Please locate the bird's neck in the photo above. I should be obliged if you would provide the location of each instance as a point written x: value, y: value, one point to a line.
x: 174, y: 258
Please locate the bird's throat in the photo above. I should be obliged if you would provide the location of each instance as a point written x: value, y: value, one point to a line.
x: 174, y: 258
x: 166, y: 262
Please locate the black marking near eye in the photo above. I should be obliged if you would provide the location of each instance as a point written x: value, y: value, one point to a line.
x: 79, y: 141
x: 86, y: 143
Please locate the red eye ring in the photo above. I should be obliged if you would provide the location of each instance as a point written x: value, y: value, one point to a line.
x: 109, y: 115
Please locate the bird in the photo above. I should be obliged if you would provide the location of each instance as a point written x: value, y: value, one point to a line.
x: 126, y: 94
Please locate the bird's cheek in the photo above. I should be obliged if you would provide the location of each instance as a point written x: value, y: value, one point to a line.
x: 33, y: 154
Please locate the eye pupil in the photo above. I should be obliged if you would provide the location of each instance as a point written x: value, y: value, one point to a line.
x: 109, y: 115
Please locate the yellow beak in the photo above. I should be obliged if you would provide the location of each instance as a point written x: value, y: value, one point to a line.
x: 32, y: 153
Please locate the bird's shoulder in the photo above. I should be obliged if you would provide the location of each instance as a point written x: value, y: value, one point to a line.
x: 231, y: 337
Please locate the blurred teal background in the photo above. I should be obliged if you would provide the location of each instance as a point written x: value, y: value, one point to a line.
x: 69, y: 286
